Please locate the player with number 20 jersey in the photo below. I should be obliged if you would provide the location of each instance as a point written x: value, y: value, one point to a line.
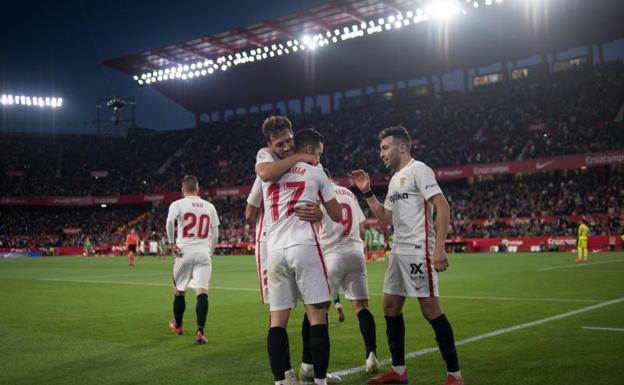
x: 198, y: 229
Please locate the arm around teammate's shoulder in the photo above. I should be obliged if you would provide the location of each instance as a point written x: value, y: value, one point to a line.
x: 272, y: 171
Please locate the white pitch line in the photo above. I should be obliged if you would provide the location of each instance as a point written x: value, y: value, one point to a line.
x: 495, y: 333
x: 104, y: 282
x: 137, y: 283
x: 578, y: 265
x: 134, y: 283
x: 528, y: 299
x: 602, y: 328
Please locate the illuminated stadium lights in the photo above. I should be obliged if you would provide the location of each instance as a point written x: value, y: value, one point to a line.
x: 38, y: 101
x: 440, y: 10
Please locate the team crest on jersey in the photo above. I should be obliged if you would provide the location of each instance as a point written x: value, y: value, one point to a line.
x: 402, y: 181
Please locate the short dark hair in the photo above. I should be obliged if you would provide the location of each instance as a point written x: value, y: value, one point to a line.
x: 326, y: 171
x: 273, y: 125
x: 398, y: 132
x: 308, y: 136
x: 189, y: 183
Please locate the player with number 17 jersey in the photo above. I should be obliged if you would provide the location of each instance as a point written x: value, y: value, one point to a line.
x: 296, y: 264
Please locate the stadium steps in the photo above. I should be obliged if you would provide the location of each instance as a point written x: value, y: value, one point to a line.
x: 163, y: 168
x: 124, y: 228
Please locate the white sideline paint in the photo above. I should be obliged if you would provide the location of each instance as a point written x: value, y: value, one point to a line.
x: 134, y: 283
x: 137, y: 283
x: 602, y: 328
x: 528, y: 299
x: 578, y: 265
x: 495, y: 333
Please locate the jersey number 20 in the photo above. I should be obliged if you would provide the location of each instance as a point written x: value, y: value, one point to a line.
x: 188, y: 231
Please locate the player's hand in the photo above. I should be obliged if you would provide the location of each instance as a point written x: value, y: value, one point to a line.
x: 440, y: 260
x: 175, y: 251
x: 309, y: 213
x: 361, y: 180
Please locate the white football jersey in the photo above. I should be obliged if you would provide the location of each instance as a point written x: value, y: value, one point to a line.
x: 408, y: 196
x: 343, y: 235
x: 265, y: 155
x: 302, y: 184
x: 197, y: 222
x: 255, y: 199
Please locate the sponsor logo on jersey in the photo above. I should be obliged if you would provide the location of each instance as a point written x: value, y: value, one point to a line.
x: 430, y: 186
x: 398, y: 196
x: 416, y: 268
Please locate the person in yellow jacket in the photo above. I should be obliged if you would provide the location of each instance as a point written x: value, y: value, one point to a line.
x: 583, y: 231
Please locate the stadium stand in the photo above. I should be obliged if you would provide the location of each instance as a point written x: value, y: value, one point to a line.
x: 566, y: 113
x: 570, y: 112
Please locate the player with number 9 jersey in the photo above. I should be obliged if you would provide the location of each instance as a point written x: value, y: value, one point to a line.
x: 344, y: 256
x: 345, y: 235
x: 343, y: 248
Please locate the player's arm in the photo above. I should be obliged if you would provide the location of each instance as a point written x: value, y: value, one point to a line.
x: 213, y: 235
x: 251, y: 213
x: 254, y: 201
x: 428, y: 186
x: 272, y: 171
x: 334, y: 210
x: 362, y: 181
x: 442, y: 210
x: 358, y: 217
x: 328, y: 196
x: 170, y: 224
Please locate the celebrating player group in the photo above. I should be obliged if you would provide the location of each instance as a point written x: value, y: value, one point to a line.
x: 309, y: 245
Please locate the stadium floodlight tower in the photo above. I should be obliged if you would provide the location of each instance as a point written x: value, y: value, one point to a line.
x: 118, y: 123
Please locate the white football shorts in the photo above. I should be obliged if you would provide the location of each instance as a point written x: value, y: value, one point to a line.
x: 297, y: 272
x: 192, y: 270
x: 347, y: 270
x: 411, y: 275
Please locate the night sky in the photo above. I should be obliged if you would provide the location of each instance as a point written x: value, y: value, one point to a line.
x: 57, y: 49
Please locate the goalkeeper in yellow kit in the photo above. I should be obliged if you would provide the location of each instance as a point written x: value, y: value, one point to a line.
x: 583, y: 231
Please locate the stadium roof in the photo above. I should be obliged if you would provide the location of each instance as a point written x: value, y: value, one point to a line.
x: 510, y: 30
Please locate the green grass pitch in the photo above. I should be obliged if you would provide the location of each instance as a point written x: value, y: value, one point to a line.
x: 519, y: 319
